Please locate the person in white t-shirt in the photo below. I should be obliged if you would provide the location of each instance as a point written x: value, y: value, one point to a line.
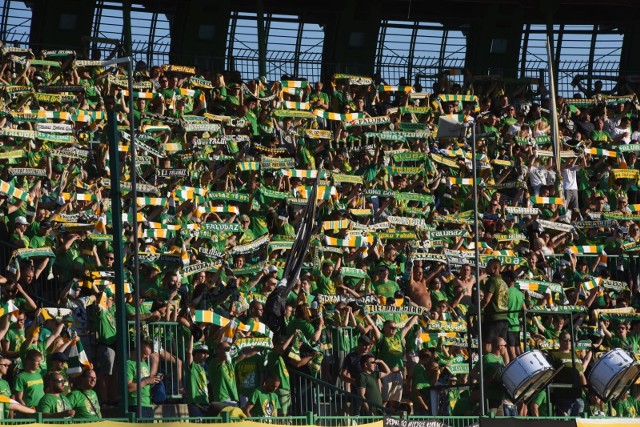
x: 622, y: 132
x: 570, y: 181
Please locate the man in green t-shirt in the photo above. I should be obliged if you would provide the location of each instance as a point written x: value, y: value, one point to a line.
x: 55, y: 404
x: 197, y: 382
x: 567, y: 401
x: 5, y: 390
x: 275, y: 364
x: 368, y: 384
x: 390, y: 349
x: 223, y: 377
x: 105, y: 351
x: 495, y: 305
x: 28, y: 387
x: 383, y: 286
x: 264, y: 401
x: 83, y: 399
x: 146, y: 380
x: 493, y: 363
x: 515, y: 304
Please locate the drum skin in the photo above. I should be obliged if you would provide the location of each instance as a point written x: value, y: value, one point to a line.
x: 613, y: 369
x: 525, y: 374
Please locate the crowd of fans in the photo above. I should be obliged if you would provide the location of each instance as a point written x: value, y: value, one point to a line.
x: 385, y: 307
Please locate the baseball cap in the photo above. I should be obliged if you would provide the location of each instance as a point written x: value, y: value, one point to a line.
x: 200, y: 347
x: 272, y: 269
x: 59, y: 357
x: 363, y: 339
x: 20, y: 221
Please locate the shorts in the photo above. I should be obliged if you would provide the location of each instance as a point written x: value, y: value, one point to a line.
x: 392, y: 386
x: 571, y: 199
x: 496, y: 328
x: 513, y: 338
x: 106, y: 358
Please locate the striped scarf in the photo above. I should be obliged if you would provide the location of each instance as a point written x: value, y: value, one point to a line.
x: 460, y: 181
x: 289, y: 105
x: 546, y: 200
x: 324, y: 192
x: 248, y: 166
x: 389, y: 88
x: 158, y: 233
x: 158, y: 225
x: 457, y: 98
x: 298, y: 84
x: 601, y: 152
x: 208, y: 316
x: 302, y: 173
x: 337, y: 116
x: 152, y: 201
x: 587, y: 249
x: 172, y: 147
x: 140, y: 95
x: 349, y: 241
x: 219, y: 209
x: 336, y: 225
x: 16, y: 193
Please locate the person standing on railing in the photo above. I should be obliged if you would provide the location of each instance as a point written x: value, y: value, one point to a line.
x: 197, y: 382
x: 495, y: 305
x: 276, y: 364
x: 390, y: 349
x: 568, y: 401
x: 223, y: 376
x: 105, y: 351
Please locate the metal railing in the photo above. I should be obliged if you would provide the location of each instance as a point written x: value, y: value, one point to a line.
x: 312, y: 395
x: 171, y: 346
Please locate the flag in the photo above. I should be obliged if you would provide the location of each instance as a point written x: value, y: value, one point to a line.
x: 8, y: 307
x: 276, y: 302
x: 78, y: 359
x: 7, y: 399
x: 591, y: 284
x: 101, y: 225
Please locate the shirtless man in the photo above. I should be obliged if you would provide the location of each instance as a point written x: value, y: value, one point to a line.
x: 418, y: 289
x: 467, y: 281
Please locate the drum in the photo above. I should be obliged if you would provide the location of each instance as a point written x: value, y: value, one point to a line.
x: 525, y: 375
x: 613, y: 373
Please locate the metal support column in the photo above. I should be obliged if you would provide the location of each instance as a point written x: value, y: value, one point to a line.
x: 262, y: 38
x: 116, y: 221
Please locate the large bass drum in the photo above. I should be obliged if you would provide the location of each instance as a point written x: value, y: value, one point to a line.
x: 613, y: 373
x: 525, y: 375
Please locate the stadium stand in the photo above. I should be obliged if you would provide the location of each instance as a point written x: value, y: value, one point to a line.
x: 384, y: 317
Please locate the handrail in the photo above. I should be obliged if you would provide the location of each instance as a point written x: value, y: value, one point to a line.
x: 335, y: 391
